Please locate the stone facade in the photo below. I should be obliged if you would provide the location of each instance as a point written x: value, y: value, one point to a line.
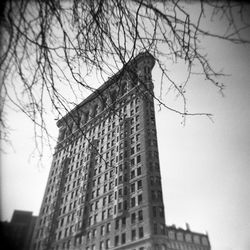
x: 104, y: 188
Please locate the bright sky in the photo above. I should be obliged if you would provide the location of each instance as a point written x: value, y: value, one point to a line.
x: 204, y: 165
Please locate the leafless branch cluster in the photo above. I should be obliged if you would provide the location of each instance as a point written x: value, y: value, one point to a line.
x: 50, y: 49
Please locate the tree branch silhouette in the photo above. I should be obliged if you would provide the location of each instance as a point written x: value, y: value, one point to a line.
x: 49, y: 46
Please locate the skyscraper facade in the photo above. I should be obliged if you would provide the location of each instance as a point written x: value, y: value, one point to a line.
x: 104, y: 187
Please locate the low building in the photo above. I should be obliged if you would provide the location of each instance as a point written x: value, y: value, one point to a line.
x: 185, y: 239
x: 17, y: 234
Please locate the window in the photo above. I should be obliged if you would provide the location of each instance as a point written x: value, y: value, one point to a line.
x: 139, y: 184
x: 96, y: 204
x: 95, y: 218
x: 111, y: 173
x: 188, y: 238
x: 101, y: 245
x: 120, y: 179
x: 138, y: 171
x: 117, y: 224
x: 153, y: 195
x: 163, y: 247
x: 139, y: 199
x: 132, y: 140
x: 138, y: 159
x: 94, y: 233
x: 133, y: 202
x: 102, y: 230
x: 120, y: 156
x: 133, y: 217
x: 124, y: 221
x: 120, y: 192
x: 104, y: 201
x: 125, y: 192
x: 123, y: 238
x: 141, y: 234
x: 125, y: 205
x: 140, y: 215
x: 197, y: 239
x: 90, y: 220
x: 133, y: 234
x: 132, y: 187
x: 162, y: 230
x: 108, y: 227
x: 106, y: 176
x: 99, y: 180
x: 132, y: 174
x: 116, y: 240
x: 103, y: 215
x: 109, y: 212
x: 119, y: 206
x: 159, y: 195
x: 137, y: 137
x: 171, y: 235
x: 110, y: 198
x: 204, y: 241
x: 161, y: 212
x: 132, y: 162
x: 152, y: 180
x: 132, y: 151
x: 107, y: 244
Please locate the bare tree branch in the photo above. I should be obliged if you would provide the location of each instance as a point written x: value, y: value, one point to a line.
x: 51, y: 49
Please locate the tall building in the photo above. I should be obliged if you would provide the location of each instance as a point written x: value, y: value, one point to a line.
x: 104, y: 187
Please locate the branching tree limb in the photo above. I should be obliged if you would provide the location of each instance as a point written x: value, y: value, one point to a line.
x: 50, y: 49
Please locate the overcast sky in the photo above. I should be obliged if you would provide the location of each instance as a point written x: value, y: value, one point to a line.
x: 204, y: 164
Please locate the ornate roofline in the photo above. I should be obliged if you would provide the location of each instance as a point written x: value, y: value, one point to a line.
x: 97, y: 93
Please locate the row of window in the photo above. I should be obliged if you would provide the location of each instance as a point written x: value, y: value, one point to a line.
x: 96, y: 193
x: 101, y: 168
x: 182, y: 246
x: 180, y: 236
x: 156, y: 195
x: 129, y: 102
x: 101, y: 129
x: 72, y: 146
x: 119, y: 239
x: 137, y: 200
x: 107, y: 156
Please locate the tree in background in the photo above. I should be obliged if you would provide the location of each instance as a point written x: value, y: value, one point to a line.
x: 50, y: 49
